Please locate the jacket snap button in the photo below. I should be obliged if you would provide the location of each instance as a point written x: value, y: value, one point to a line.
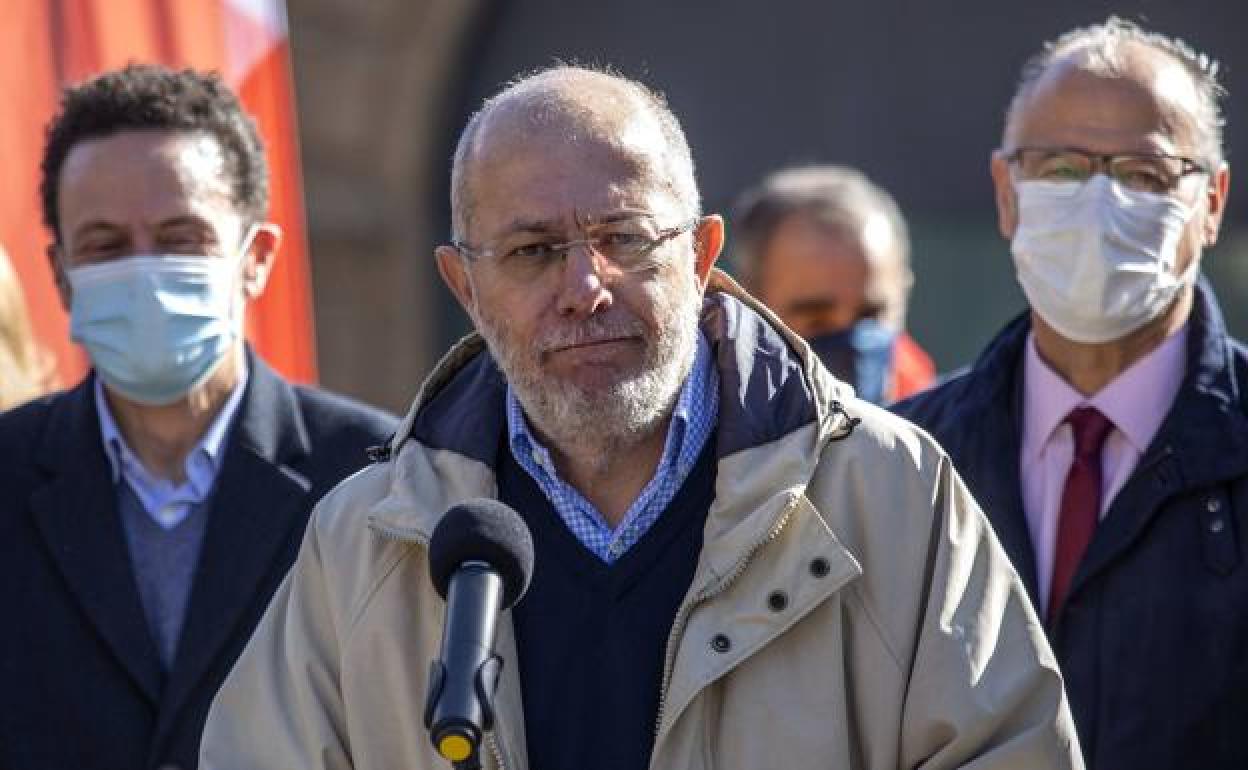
x: 721, y: 643
x: 1217, y: 525
x: 1213, y: 505
x: 777, y: 601
x: 820, y: 567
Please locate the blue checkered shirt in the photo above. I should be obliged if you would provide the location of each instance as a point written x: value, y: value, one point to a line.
x: 693, y: 419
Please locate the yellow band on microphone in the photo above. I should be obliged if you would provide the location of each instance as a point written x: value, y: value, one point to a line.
x: 455, y: 747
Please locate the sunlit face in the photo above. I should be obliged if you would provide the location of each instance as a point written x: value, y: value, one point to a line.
x: 589, y: 349
x: 152, y: 193
x: 1149, y: 110
x: 814, y: 277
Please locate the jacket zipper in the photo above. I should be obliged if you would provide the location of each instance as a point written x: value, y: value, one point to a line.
x: 782, y: 519
x: 492, y: 742
x: 678, y: 626
x: 388, y: 532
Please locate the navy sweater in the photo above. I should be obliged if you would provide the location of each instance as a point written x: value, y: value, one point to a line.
x: 592, y: 636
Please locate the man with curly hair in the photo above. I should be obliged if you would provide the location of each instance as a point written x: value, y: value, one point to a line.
x: 150, y: 511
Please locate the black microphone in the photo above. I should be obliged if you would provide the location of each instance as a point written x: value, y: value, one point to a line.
x: 480, y: 560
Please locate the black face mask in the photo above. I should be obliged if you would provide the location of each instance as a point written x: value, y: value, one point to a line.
x: 861, y: 355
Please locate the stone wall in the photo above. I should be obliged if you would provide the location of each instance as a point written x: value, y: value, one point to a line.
x: 372, y: 79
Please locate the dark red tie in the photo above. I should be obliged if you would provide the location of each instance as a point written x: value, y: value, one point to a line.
x: 1081, y: 502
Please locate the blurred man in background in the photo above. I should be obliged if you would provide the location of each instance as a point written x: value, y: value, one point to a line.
x: 828, y: 251
x: 1105, y: 431
x: 149, y: 513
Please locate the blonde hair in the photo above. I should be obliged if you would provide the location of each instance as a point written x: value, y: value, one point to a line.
x: 26, y: 370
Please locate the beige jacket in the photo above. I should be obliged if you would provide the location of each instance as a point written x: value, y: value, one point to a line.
x: 906, y: 640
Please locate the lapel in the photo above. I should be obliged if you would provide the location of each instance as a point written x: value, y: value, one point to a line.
x: 1202, y: 441
x: 76, y: 514
x: 985, y: 443
x: 259, y: 498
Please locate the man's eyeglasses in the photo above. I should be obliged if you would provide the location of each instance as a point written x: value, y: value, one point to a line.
x: 1142, y: 172
x: 628, y: 246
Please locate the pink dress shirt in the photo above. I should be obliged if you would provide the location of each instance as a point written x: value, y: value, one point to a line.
x: 1136, y: 402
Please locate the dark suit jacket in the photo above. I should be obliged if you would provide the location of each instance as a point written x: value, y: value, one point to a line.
x: 81, y: 685
x: 1153, y: 639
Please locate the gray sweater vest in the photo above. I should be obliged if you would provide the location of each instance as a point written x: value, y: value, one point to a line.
x: 164, y: 566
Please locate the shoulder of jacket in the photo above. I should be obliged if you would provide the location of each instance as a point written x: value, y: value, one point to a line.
x: 327, y: 412
x: 343, y: 513
x: 23, y: 428
x: 891, y: 438
x: 930, y: 405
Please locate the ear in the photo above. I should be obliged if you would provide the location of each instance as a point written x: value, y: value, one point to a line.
x: 455, y: 273
x: 1216, y: 192
x: 708, y: 242
x: 1007, y: 199
x: 259, y: 259
x: 56, y: 262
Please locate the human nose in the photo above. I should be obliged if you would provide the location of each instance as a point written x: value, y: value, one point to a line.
x: 583, y: 289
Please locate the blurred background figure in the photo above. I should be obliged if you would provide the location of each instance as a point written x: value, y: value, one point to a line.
x: 828, y: 251
x: 26, y: 370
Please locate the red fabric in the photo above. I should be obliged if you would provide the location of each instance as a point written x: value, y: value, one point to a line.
x: 1081, y: 502
x: 913, y: 369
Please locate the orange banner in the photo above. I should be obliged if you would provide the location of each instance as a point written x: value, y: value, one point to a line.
x: 52, y: 43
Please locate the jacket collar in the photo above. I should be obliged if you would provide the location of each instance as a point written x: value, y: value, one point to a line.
x: 1205, y: 428
x: 261, y: 499
x: 268, y: 419
x: 258, y: 500
x: 771, y: 386
x: 1202, y: 440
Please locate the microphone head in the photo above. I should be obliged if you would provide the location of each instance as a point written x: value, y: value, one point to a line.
x: 487, y: 531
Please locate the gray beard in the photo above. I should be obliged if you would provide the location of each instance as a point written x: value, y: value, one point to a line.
x: 605, y: 420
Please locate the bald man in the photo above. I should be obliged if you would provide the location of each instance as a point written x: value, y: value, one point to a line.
x: 1105, y: 430
x: 738, y: 564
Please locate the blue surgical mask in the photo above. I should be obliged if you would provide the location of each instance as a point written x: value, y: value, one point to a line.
x: 861, y: 355
x: 156, y: 326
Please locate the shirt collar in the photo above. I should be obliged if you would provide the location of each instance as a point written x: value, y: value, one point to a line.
x: 1136, y: 401
x: 204, y: 461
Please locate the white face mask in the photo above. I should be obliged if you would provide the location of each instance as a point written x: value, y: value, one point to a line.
x: 1097, y: 261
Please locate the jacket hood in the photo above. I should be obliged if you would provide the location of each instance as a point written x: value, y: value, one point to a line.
x: 772, y: 387
x: 770, y: 384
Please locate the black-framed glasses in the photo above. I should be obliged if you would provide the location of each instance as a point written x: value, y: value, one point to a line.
x: 627, y: 245
x: 1143, y: 172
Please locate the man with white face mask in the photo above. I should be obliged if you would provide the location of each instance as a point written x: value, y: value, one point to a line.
x: 1106, y: 431
x: 150, y: 512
